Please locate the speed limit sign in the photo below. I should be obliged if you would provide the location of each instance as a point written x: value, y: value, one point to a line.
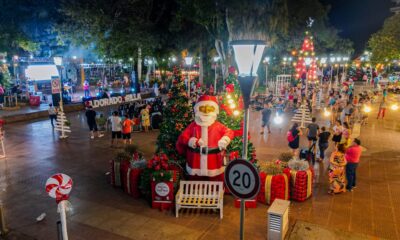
x: 242, y: 179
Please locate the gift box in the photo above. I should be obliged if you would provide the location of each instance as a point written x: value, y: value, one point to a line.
x: 115, y: 170
x: 252, y: 203
x: 130, y: 179
x: 162, y: 194
x: 301, y: 184
x: 273, y: 187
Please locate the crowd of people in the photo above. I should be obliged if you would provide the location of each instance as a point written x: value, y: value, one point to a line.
x: 345, y: 109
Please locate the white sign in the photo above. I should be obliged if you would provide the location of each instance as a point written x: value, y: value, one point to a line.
x: 114, y: 100
x: 162, y: 189
x: 242, y: 179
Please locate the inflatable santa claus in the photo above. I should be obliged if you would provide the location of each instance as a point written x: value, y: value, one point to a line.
x: 203, y: 141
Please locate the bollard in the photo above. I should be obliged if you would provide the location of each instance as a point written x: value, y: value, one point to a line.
x: 59, y: 230
x: 3, y: 228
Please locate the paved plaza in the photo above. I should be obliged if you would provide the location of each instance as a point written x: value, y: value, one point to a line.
x: 100, y: 211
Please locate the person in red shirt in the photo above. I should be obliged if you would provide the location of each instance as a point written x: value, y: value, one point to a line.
x: 352, y: 156
x: 127, y: 129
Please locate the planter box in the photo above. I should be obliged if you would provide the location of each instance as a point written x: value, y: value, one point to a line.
x: 247, y: 203
x: 162, y: 194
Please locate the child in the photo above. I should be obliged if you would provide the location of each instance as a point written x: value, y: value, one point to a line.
x: 127, y: 129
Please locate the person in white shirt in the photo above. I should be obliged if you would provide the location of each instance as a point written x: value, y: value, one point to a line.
x: 52, y: 114
x: 116, y: 125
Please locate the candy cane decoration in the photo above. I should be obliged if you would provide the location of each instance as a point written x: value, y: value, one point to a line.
x: 59, y: 186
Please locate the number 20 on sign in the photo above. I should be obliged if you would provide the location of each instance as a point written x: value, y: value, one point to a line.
x: 242, y: 179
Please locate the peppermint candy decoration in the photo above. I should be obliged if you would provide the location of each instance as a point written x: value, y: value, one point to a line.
x: 59, y: 186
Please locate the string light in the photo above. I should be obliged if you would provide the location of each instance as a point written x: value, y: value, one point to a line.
x: 394, y: 107
x: 236, y: 113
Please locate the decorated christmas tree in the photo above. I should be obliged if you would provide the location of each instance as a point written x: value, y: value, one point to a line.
x: 231, y: 115
x: 302, y: 116
x: 306, y: 66
x: 177, y: 114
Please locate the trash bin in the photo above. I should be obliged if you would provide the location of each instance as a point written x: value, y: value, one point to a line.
x: 34, y: 100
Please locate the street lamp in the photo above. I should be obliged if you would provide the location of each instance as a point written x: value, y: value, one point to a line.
x: 266, y: 61
x: 248, y: 54
x: 188, y: 61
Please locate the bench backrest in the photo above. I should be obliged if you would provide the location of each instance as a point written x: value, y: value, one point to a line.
x: 208, y: 189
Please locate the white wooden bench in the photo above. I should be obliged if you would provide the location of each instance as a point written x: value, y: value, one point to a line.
x: 200, y: 194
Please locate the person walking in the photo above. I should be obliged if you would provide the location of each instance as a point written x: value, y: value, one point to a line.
x: 115, y: 128
x: 91, y: 121
x: 127, y: 129
x: 382, y: 109
x: 52, y: 114
x: 266, y: 117
x: 346, y: 134
x: 336, y: 171
x: 145, y: 118
x: 86, y: 89
x: 352, y: 156
x: 293, y: 137
x: 337, y: 133
x: 323, y: 143
x: 312, y: 132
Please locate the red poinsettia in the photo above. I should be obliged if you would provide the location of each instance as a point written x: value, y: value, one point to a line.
x: 231, y: 70
x: 230, y: 88
x: 158, y: 162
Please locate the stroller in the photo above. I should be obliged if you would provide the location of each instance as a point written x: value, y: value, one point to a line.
x: 308, y: 154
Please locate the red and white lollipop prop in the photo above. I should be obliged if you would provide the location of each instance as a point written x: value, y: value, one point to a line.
x: 59, y: 186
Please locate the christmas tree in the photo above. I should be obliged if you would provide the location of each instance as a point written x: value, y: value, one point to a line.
x: 306, y: 60
x: 177, y: 115
x: 302, y: 116
x: 231, y: 115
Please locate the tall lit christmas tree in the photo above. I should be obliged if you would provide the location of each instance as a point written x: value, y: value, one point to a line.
x: 177, y: 115
x: 306, y: 66
x: 231, y: 115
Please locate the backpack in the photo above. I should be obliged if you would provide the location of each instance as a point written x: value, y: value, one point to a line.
x: 290, y: 136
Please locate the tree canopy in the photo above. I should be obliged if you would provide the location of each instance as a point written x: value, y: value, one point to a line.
x: 385, y: 44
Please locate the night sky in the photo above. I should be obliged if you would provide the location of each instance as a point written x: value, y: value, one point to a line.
x: 358, y: 19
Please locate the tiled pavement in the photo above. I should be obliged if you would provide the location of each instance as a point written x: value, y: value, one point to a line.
x: 103, y: 212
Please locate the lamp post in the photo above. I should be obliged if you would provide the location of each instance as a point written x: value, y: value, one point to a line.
x: 188, y: 61
x: 248, y: 54
x: 266, y: 61
x: 216, y: 59
x: 332, y: 60
x: 58, y: 63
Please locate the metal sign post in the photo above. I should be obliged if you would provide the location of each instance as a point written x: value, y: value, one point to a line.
x: 243, y: 181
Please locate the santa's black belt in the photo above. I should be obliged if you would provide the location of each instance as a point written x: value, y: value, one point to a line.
x: 205, y: 150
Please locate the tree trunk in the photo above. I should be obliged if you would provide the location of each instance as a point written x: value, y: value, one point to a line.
x: 201, y: 66
x: 139, y: 65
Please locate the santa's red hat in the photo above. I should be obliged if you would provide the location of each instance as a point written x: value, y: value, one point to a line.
x: 207, y: 100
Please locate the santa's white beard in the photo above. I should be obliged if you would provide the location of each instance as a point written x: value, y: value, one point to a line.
x: 205, y: 120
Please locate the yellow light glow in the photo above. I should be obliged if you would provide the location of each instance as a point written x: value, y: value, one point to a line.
x: 230, y: 101
x: 327, y: 113
x: 236, y: 113
x: 367, y: 109
x: 395, y: 107
x: 229, y: 96
x: 232, y: 106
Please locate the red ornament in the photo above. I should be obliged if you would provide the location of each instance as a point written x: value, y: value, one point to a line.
x: 230, y: 88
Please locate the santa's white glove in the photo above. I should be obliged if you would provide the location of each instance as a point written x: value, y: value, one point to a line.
x: 201, y: 143
x: 223, y: 143
x: 193, y: 142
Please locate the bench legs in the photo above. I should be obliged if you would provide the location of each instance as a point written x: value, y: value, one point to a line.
x: 176, y: 211
x: 221, y: 213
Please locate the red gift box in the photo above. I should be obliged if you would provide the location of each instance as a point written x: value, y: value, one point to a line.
x: 301, y: 184
x: 273, y: 187
x: 115, y: 167
x: 162, y: 194
x: 252, y: 203
x: 130, y: 179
